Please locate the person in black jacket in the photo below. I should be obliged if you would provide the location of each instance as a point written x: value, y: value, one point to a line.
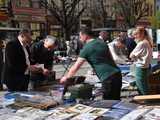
x: 42, y: 57
x: 17, y: 63
x: 1, y: 62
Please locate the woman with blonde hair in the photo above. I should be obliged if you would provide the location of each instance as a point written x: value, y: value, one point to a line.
x: 142, y: 56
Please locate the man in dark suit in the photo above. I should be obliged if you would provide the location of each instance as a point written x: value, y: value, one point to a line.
x: 1, y: 61
x: 17, y: 63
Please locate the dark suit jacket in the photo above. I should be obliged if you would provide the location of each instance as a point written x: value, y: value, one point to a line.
x: 39, y: 54
x: 15, y: 62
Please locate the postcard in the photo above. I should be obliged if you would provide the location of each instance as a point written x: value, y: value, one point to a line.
x: 97, y: 111
x: 80, y: 108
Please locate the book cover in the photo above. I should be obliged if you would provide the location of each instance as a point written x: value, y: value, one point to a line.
x: 125, y: 105
x: 104, y: 103
x: 115, y: 114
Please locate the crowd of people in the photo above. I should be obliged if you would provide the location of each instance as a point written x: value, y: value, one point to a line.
x: 26, y: 62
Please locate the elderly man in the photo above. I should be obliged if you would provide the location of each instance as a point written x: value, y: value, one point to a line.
x: 99, y: 57
x: 104, y: 36
x: 42, y: 57
x: 17, y: 63
x: 119, y: 50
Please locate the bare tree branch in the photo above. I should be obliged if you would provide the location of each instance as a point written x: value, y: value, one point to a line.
x: 65, y: 12
x: 132, y: 10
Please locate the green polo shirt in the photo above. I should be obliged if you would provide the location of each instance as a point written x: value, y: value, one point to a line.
x: 98, y: 56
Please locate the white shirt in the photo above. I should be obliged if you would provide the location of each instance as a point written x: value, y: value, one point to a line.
x: 119, y: 54
x: 26, y: 56
x: 142, y: 54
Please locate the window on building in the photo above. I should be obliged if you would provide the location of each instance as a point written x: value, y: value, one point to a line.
x: 35, y: 27
x: 35, y: 4
x: 2, y: 3
x: 24, y: 3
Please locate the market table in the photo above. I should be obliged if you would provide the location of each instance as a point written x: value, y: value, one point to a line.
x: 86, y: 110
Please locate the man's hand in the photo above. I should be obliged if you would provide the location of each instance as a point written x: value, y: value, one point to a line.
x: 63, y: 80
x: 35, y: 69
x: 46, y: 72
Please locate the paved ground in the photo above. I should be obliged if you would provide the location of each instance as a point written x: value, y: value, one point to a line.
x: 61, y: 69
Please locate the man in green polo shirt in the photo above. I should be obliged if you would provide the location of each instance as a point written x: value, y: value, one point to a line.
x: 97, y: 54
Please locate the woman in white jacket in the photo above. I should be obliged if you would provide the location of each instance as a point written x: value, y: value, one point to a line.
x: 142, y: 56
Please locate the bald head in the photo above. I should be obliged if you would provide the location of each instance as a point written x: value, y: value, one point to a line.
x: 104, y: 35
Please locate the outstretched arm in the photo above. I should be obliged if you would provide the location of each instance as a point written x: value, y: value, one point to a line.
x: 73, y: 69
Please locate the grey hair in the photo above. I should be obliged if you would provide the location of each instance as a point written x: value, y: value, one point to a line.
x: 51, y: 39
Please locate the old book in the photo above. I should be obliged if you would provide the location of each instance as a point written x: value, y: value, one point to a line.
x: 61, y: 114
x: 104, y: 103
x: 115, y: 114
x: 125, y: 105
x: 36, y: 101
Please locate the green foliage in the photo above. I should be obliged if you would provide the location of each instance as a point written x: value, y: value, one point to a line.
x: 155, y: 20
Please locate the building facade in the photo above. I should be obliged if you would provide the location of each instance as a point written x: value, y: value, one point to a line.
x: 98, y: 13
x: 29, y: 14
x: 3, y: 13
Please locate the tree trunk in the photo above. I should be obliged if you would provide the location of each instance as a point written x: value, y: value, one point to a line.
x: 66, y: 34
